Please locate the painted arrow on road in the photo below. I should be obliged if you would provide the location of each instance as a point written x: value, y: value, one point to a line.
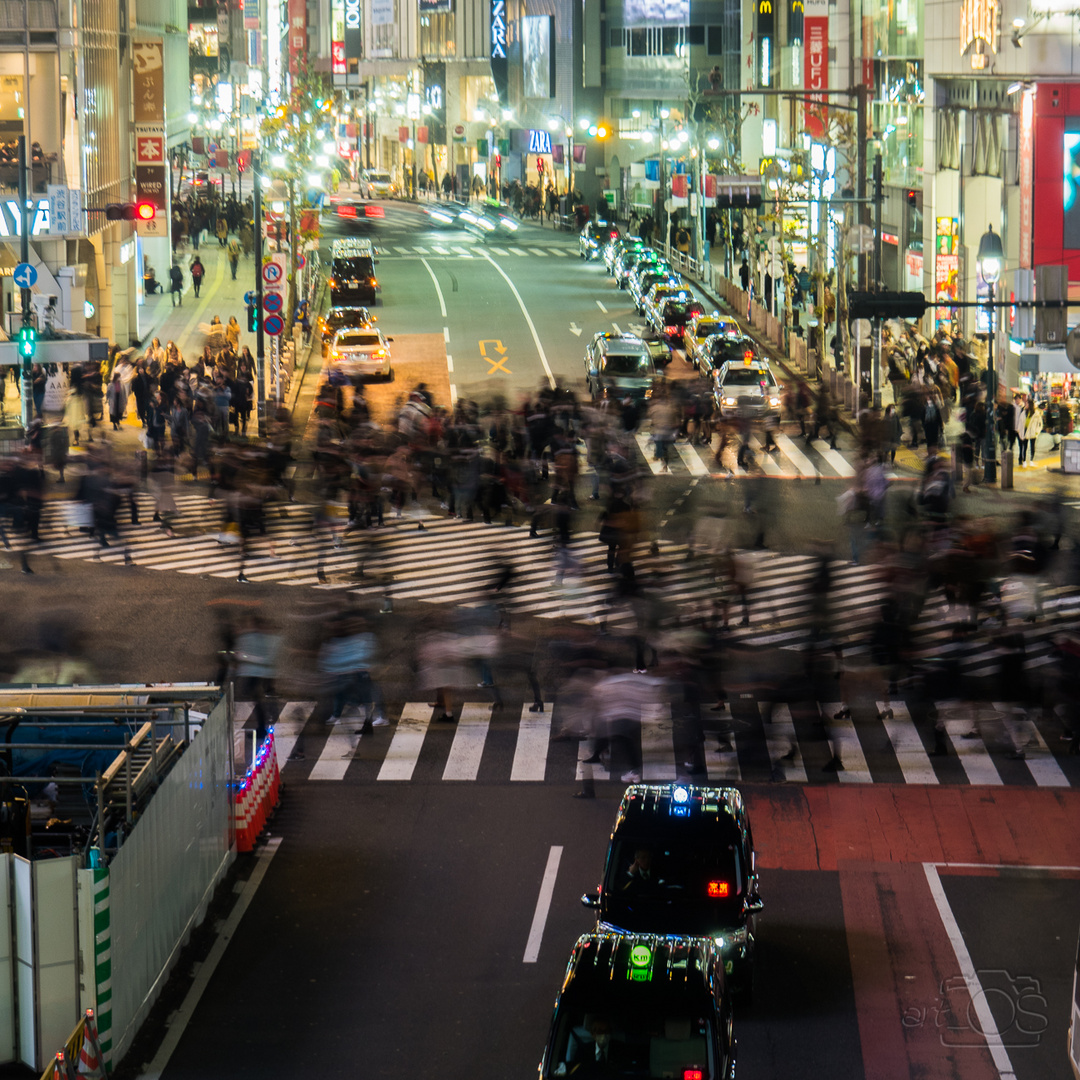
x: 575, y: 329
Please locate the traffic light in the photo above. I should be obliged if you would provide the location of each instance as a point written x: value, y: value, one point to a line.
x: 27, y: 341
x: 887, y: 305
x: 912, y: 198
x: 140, y: 211
x: 253, y: 317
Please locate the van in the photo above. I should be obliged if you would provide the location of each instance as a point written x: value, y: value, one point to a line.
x: 352, y: 273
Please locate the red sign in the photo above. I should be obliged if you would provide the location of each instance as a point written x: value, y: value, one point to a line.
x: 710, y: 186
x: 403, y: 134
x: 150, y: 149
x: 297, y: 34
x: 221, y: 159
x: 421, y: 134
x: 337, y: 57
x: 678, y: 185
x: 816, y: 69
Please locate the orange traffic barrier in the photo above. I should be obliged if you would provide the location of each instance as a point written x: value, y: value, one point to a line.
x: 256, y: 795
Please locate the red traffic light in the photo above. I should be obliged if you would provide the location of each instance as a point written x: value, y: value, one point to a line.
x: 145, y: 211
x: 912, y: 197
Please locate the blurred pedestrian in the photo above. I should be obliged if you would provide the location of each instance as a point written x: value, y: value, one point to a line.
x: 197, y: 273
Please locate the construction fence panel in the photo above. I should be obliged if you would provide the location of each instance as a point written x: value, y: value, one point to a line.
x: 8, y: 1051
x: 56, y: 960
x: 22, y: 880
x: 162, y: 879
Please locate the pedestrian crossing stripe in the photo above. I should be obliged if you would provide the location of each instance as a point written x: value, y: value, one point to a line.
x: 453, y: 561
x: 471, y: 252
x: 756, y: 743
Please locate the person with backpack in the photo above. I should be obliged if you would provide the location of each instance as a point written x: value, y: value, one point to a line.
x: 197, y: 273
x: 176, y: 285
x: 234, y: 251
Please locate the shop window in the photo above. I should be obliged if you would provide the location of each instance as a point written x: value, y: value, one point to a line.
x: 716, y: 41
x: 695, y: 35
x: 669, y: 40
x: 637, y: 42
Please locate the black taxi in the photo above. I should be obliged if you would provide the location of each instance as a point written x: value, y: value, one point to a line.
x: 681, y: 861
x: 642, y: 1005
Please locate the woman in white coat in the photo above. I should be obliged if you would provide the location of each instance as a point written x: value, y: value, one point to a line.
x: 1033, y: 425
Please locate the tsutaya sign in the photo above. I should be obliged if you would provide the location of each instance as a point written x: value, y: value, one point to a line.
x: 979, y: 27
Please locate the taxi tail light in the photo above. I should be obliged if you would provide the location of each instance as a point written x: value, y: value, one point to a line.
x: 692, y: 1074
x: 672, y: 330
x: 346, y: 211
x: 374, y: 211
x: 719, y: 889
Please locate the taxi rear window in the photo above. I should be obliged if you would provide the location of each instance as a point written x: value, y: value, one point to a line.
x: 627, y: 364
x: 354, y: 340
x: 745, y: 376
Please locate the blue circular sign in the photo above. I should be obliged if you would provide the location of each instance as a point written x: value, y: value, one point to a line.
x: 273, y: 302
x: 25, y: 276
x: 273, y: 325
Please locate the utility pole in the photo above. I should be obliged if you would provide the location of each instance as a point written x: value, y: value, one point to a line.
x: 260, y: 343
x: 875, y: 375
x: 26, y: 381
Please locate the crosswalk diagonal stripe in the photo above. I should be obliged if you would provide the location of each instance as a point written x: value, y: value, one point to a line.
x: 531, y: 749
x: 407, y: 742
x: 846, y: 746
x: 906, y: 744
x: 468, y: 746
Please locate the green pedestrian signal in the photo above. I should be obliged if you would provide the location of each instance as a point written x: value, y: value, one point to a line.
x: 27, y: 341
x: 253, y: 318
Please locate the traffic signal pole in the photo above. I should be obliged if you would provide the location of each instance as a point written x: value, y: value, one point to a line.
x: 875, y: 375
x: 260, y: 345
x: 26, y: 382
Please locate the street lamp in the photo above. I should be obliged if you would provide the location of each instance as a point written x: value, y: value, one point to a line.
x: 990, y: 259
x: 554, y: 121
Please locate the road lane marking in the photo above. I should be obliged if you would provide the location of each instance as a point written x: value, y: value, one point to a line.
x: 450, y: 363
x: 179, y: 1021
x: 538, y: 251
x: 987, y: 1024
x: 907, y: 746
x: 589, y: 770
x: 528, y: 319
x: 468, y: 746
x: 446, y: 334
x: 530, y: 753
x: 519, y: 253
x: 558, y: 251
x: 453, y: 393
x: 461, y: 251
x: 723, y: 765
x: 617, y: 328
x: 600, y: 305
x: 404, y: 750
x: 439, y: 250
x: 657, y: 743
x: 1046, y: 771
x: 644, y: 442
x: 543, y: 906
x: 435, y: 282
x: 499, y: 250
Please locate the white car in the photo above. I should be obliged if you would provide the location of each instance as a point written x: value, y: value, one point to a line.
x: 376, y: 184
x: 361, y: 353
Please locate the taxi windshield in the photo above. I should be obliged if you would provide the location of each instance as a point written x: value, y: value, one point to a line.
x: 628, y: 364
x: 746, y: 376
x: 605, y: 1031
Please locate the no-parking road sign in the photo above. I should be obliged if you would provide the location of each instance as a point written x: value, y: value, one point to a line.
x: 273, y: 325
x: 272, y: 302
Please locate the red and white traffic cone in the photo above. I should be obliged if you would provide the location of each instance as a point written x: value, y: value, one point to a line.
x: 91, y: 1063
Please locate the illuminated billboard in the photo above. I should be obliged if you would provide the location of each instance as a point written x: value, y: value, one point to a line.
x: 537, y: 56
x: 1070, y: 233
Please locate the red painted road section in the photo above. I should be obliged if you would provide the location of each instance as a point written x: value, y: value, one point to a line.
x: 817, y: 828
x: 876, y: 837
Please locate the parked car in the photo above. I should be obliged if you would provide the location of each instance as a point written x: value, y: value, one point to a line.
x: 641, y: 284
x: 594, y: 236
x: 338, y: 318
x: 672, y: 317
x: 720, y: 349
x: 704, y: 326
x: 747, y: 388
x: 619, y: 366
x: 614, y: 248
x: 658, y: 296
x: 681, y: 861
x: 630, y: 260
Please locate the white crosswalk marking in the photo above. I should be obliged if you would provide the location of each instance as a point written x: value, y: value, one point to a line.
x: 759, y: 753
x: 420, y: 250
x: 519, y: 252
x: 538, y: 251
x: 404, y: 250
x: 408, y: 741
x: 657, y: 747
x: 558, y: 251
x: 847, y: 746
x: 498, y: 250
x: 334, y: 761
x: 783, y: 745
x: 530, y: 753
x: 439, y: 250
x: 972, y: 752
x: 288, y: 726
x: 722, y: 765
x: 834, y: 458
x: 468, y: 746
x: 691, y: 459
x: 648, y: 451
x: 795, y: 455
x: 908, y: 747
